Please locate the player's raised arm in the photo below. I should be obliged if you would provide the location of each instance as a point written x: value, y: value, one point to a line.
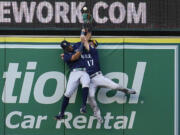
x: 84, y: 39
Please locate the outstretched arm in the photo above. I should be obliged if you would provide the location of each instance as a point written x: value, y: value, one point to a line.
x: 76, y: 56
x: 68, y: 57
x: 84, y: 39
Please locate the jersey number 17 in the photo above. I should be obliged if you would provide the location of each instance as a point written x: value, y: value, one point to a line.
x: 90, y: 63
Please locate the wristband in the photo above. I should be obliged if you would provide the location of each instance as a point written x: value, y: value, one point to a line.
x: 82, y: 33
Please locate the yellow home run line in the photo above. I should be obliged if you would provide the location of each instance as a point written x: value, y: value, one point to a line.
x: 99, y: 39
x: 56, y: 40
x: 152, y: 40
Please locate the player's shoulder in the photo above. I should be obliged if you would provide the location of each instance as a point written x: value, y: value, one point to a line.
x: 92, y: 48
x: 76, y: 44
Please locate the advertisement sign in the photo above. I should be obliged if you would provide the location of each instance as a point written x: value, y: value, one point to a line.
x: 107, y: 15
x: 33, y: 79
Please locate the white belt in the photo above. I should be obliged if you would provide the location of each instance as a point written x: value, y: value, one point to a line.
x: 79, y: 69
x: 97, y: 73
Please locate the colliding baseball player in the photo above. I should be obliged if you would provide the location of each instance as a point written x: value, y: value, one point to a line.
x: 97, y: 79
x: 78, y: 75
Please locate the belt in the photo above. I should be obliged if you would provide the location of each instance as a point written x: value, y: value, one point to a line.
x: 79, y: 69
x: 97, y: 73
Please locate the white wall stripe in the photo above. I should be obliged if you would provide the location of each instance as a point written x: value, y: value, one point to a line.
x: 36, y: 46
x: 176, y: 93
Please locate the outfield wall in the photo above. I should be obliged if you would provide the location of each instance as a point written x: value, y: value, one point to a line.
x: 33, y: 79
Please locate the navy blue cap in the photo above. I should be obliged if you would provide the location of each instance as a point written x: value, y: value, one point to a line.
x: 65, y: 44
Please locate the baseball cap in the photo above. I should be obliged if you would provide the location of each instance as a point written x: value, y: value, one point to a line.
x: 65, y: 44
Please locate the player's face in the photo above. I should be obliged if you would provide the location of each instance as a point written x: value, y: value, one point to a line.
x: 70, y: 48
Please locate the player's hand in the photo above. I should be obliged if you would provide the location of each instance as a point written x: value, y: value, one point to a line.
x: 62, y: 56
x: 83, y: 30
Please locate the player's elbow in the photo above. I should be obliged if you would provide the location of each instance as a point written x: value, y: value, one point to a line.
x: 73, y: 58
x: 76, y: 56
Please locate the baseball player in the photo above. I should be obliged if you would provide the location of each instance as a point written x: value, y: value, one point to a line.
x: 96, y: 76
x: 78, y: 75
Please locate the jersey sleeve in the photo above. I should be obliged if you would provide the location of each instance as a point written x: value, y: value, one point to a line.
x: 76, y: 45
x: 67, y: 57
